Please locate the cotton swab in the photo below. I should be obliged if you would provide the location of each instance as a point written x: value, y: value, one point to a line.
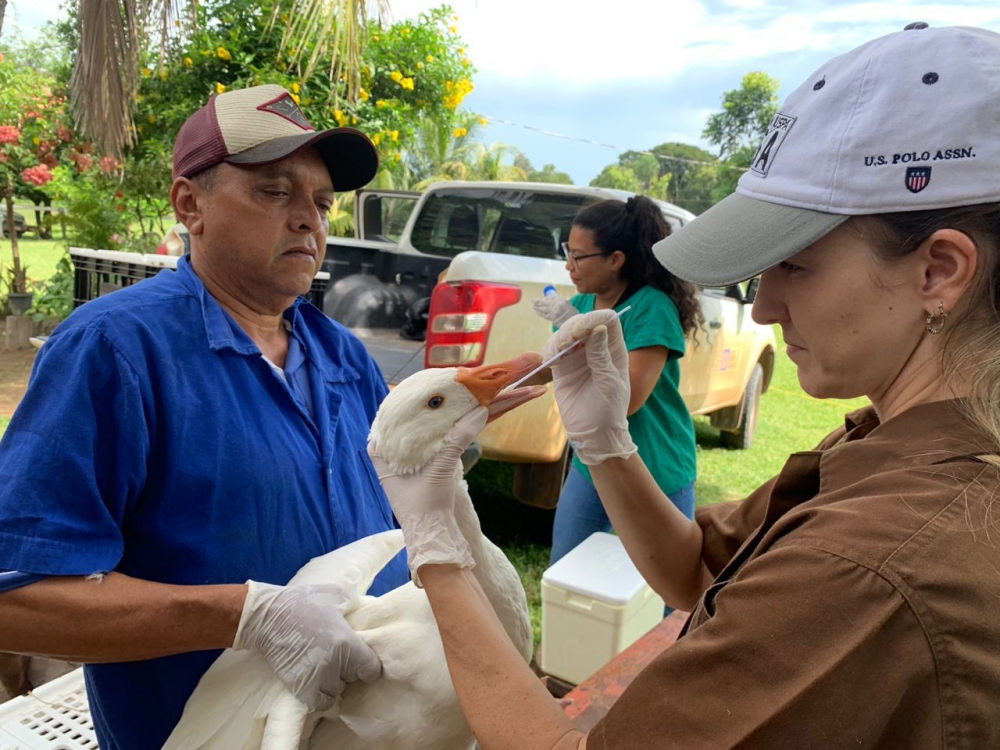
x: 558, y: 355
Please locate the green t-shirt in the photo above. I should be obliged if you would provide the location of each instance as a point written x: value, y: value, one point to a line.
x: 662, y: 429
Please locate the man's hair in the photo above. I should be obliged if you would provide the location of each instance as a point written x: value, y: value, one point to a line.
x: 207, y: 178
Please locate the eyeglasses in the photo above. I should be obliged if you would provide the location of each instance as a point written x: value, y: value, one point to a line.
x: 574, y: 259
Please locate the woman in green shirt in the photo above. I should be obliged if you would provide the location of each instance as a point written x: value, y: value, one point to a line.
x: 609, y: 256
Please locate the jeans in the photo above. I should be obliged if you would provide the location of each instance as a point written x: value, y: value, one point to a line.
x: 580, y: 513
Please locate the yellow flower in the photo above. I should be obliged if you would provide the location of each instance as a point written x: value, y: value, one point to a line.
x: 354, y: 120
x: 465, y: 62
x: 295, y: 88
x: 365, y: 96
x: 398, y: 157
x: 377, y: 138
x: 461, y: 50
x: 295, y: 98
x: 284, y: 18
x: 405, y: 32
x: 483, y: 121
x: 307, y: 101
x: 376, y: 39
x: 340, y: 117
x: 430, y: 58
x: 394, y: 134
x: 177, y: 23
x: 36, y: 140
x: 147, y: 72
x: 188, y: 62
x: 420, y: 66
x: 152, y: 119
x: 407, y: 83
x: 220, y: 89
x: 449, y: 85
x: 381, y: 103
x: 459, y: 132
x: 223, y: 53
x: 453, y: 29
x: 164, y: 75
x: 396, y: 76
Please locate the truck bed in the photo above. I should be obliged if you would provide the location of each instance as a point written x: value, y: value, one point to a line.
x: 396, y: 357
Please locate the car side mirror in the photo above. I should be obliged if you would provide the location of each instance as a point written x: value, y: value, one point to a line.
x: 751, y: 293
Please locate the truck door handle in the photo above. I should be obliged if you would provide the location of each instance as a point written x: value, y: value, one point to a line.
x: 715, y: 324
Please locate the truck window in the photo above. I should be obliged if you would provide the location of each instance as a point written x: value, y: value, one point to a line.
x: 507, y: 221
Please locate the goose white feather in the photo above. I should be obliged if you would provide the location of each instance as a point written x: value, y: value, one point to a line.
x: 240, y: 704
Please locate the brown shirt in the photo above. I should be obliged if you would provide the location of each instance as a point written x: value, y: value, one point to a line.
x: 856, y: 604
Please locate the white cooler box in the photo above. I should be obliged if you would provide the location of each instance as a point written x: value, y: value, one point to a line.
x: 594, y: 605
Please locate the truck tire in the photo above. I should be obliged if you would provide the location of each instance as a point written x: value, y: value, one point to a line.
x: 742, y: 437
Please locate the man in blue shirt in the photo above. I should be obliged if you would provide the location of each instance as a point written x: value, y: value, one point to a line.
x: 187, y: 443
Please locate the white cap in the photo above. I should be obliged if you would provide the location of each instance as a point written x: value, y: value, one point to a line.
x: 907, y: 122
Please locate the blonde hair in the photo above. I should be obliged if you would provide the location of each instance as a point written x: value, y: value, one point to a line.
x: 972, y: 339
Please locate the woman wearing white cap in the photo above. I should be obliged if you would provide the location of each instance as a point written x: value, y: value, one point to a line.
x: 854, y: 600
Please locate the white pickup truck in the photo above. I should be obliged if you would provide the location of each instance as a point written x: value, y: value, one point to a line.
x: 446, y: 277
x: 469, y: 257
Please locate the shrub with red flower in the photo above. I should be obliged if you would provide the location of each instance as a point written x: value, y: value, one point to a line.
x: 39, y: 175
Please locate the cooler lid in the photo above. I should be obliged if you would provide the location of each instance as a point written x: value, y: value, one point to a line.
x: 599, y: 568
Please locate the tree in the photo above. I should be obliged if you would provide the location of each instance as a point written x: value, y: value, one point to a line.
x: 737, y: 129
x: 35, y: 139
x: 640, y: 175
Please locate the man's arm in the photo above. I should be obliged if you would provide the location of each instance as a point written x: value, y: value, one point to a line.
x: 117, y: 618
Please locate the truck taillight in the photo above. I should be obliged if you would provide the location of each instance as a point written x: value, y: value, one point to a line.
x: 459, y: 320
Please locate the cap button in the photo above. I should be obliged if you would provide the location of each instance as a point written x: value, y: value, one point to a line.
x: 916, y: 25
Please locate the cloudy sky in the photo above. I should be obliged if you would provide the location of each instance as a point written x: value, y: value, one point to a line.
x: 635, y: 73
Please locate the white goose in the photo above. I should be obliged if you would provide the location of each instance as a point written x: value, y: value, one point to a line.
x: 240, y: 704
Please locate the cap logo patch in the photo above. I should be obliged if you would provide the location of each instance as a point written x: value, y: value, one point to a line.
x: 285, y: 106
x: 917, y: 178
x: 773, y: 138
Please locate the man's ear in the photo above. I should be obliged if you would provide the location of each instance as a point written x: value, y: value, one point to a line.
x: 949, y: 261
x: 186, y: 198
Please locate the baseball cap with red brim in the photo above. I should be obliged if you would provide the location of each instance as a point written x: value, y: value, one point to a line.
x: 263, y: 125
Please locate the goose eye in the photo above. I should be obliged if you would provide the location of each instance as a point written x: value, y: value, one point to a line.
x: 435, y: 402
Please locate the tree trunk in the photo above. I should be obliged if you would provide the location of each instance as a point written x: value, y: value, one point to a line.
x: 17, y: 280
x: 3, y: 9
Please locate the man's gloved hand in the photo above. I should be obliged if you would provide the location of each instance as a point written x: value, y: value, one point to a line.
x: 302, y: 633
x: 553, y: 308
x: 424, y: 502
x: 592, y: 386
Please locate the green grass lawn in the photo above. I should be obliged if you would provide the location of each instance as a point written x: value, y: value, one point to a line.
x: 39, y: 257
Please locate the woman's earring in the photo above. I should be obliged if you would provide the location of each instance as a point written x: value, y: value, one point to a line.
x: 935, y: 323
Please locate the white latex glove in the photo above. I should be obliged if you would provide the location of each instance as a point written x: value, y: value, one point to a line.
x: 592, y: 386
x: 302, y: 633
x: 554, y: 309
x: 424, y: 502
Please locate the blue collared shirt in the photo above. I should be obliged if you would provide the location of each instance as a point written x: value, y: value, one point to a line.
x: 155, y: 440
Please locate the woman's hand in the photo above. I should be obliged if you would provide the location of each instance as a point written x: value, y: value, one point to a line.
x: 424, y: 502
x: 592, y: 386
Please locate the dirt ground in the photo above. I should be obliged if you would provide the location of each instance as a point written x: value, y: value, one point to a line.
x: 14, y: 370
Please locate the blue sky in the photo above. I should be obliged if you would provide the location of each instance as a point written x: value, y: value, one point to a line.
x: 636, y: 73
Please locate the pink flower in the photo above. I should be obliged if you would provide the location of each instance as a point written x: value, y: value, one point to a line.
x: 37, y: 175
x: 50, y: 161
x: 108, y: 164
x: 65, y: 134
x: 9, y: 134
x: 83, y: 162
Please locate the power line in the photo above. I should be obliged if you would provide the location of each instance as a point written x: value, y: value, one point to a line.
x: 553, y: 134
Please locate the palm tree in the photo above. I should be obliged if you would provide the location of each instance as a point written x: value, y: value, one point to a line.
x: 114, y: 33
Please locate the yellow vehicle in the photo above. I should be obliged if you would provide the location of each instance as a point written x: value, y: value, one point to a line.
x: 500, y: 241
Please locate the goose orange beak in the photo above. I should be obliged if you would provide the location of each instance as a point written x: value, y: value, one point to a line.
x: 486, y: 383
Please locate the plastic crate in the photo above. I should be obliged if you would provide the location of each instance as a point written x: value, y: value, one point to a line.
x: 100, y: 272
x: 54, y: 716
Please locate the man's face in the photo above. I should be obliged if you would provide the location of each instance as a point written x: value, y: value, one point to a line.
x: 264, y: 229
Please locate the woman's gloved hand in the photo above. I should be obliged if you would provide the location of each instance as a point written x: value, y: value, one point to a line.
x: 553, y: 308
x: 424, y: 502
x: 592, y: 386
x: 301, y: 632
